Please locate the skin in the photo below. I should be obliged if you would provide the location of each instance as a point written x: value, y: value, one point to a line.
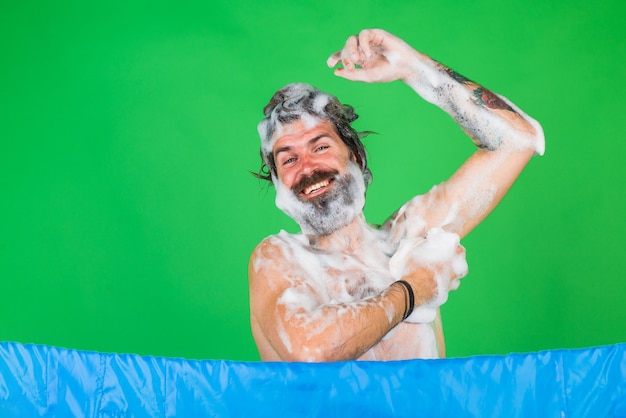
x: 370, y: 326
x: 300, y: 152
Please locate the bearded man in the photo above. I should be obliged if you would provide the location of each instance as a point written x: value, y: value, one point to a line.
x: 343, y: 289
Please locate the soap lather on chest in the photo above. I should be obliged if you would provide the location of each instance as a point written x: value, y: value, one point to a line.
x: 356, y: 280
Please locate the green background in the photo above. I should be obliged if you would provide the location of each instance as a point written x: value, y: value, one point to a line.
x: 128, y: 129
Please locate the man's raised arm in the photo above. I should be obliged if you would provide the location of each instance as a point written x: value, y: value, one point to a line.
x: 507, y: 138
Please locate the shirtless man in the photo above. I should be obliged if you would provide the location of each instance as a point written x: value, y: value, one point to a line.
x: 343, y: 289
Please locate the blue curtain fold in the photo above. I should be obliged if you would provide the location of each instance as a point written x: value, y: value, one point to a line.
x: 39, y: 380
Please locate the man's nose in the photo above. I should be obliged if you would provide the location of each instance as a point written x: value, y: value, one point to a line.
x: 307, y: 165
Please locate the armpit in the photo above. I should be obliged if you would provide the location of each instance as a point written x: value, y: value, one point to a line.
x: 410, y: 220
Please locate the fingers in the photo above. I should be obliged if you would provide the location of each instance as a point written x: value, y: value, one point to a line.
x: 372, y: 42
x: 352, y: 53
x: 353, y: 74
x: 333, y: 59
x: 358, y: 49
x: 454, y: 284
x: 349, y: 56
x: 368, y: 57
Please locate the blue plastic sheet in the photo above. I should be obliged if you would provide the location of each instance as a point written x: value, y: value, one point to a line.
x: 38, y: 380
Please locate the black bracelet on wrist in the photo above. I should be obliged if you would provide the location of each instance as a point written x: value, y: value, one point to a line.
x: 410, y: 304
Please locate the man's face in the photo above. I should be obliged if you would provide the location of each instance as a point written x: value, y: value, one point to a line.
x: 308, y: 157
x: 319, y: 185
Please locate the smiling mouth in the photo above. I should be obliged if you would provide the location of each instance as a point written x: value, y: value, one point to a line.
x: 317, y: 188
x: 315, y: 184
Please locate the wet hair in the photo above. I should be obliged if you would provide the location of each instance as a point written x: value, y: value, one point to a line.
x: 298, y: 100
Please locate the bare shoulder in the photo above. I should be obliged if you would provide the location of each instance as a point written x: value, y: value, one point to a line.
x: 266, y: 254
x: 269, y: 248
x: 267, y: 281
x: 266, y: 275
x: 273, y: 258
x: 277, y: 247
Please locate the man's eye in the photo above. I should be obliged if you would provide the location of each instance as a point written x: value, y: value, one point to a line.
x: 289, y: 160
x: 322, y: 148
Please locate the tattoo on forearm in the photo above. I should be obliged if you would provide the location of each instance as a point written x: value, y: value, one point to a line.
x: 486, y: 99
x: 458, y: 77
x: 489, y: 99
x: 483, y: 96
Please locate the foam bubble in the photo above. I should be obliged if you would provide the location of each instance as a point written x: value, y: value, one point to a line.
x: 487, y: 127
x: 320, y: 279
x: 328, y: 284
x: 438, y: 252
x: 294, y: 101
x: 334, y: 210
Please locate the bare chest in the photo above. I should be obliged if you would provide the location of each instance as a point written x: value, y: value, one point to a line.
x: 353, y: 278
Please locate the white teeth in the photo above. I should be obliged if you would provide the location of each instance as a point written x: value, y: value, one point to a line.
x: 316, y: 186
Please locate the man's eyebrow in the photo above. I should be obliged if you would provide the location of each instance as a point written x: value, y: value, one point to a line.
x: 281, y: 149
x: 317, y: 138
x: 310, y: 142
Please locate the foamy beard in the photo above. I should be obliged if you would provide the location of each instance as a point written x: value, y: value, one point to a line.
x: 329, y: 212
